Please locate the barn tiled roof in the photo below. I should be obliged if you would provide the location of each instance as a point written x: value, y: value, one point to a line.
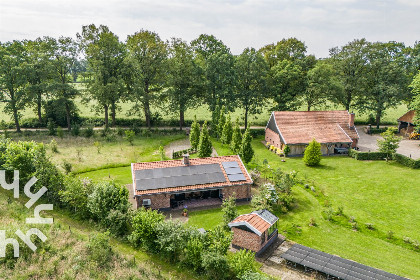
x: 300, y: 127
x: 257, y: 221
x: 192, y: 162
x: 408, y: 117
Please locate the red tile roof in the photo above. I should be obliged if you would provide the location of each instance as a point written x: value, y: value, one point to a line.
x: 300, y: 127
x: 193, y: 161
x: 253, y: 221
x: 408, y: 117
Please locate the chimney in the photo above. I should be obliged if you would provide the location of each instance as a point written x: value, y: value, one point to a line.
x: 351, y: 119
x: 186, y: 159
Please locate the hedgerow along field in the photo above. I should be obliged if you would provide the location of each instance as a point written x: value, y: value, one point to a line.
x: 384, y: 194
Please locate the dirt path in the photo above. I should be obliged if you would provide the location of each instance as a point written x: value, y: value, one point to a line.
x: 180, y: 145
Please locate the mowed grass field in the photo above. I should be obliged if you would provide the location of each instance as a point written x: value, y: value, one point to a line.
x: 384, y: 194
x: 87, y: 109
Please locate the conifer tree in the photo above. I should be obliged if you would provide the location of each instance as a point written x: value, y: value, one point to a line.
x: 235, y: 144
x: 195, y: 134
x: 221, y: 122
x: 204, y: 147
x: 246, y: 152
x: 227, y: 131
x: 215, y: 115
x: 312, y: 155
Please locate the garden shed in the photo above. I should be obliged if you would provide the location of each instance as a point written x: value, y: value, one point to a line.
x: 333, y: 129
x: 255, y: 231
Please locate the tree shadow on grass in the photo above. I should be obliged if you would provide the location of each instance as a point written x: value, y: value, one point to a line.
x: 323, y: 167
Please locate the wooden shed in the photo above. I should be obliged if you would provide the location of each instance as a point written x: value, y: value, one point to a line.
x: 255, y: 231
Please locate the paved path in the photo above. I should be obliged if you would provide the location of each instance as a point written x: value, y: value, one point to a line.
x: 369, y: 143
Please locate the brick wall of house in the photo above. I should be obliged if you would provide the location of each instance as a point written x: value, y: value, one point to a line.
x: 241, y: 191
x: 249, y: 240
x: 272, y: 137
x: 158, y: 200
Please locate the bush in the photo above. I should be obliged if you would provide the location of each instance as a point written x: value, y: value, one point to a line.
x: 246, y: 151
x: 216, y: 265
x: 286, y: 150
x: 53, y: 146
x: 367, y: 155
x: 179, y: 154
x: 144, y: 224
x: 75, y: 195
x: 242, y: 262
x: 253, y: 276
x: 312, y: 154
x: 60, y: 132
x: 67, y: 166
x: 229, y: 210
x: 389, y: 144
x: 75, y: 129
x: 370, y: 226
x: 51, y: 128
x: 99, y: 250
x: 88, y: 132
x: 129, y: 135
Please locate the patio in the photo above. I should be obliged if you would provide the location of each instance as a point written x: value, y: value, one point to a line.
x: 197, y: 203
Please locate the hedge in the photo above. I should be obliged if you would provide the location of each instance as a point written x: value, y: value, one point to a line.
x: 179, y: 154
x: 406, y: 161
x: 367, y: 155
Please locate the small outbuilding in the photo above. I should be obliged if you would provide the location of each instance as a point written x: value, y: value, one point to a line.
x: 406, y: 122
x: 255, y: 231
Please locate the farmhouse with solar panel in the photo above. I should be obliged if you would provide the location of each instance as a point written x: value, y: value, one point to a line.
x: 175, y: 184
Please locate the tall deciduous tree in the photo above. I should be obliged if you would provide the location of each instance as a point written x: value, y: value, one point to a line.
x: 415, y: 104
x: 105, y: 56
x: 63, y: 54
x: 322, y: 84
x: 13, y: 79
x: 38, y: 73
x: 386, y: 78
x: 184, y: 79
x: 251, y: 87
x: 350, y: 63
x: 147, y: 60
x: 204, y: 147
x: 217, y: 63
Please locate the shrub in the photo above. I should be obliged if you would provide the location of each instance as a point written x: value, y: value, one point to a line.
x: 106, y: 197
x: 407, y: 239
x: 406, y: 161
x: 53, y: 146
x: 227, y: 131
x: 60, y: 132
x: 51, y: 128
x: 367, y: 155
x: 218, y: 240
x: 354, y: 226
x: 193, y: 252
x: 99, y: 250
x: 235, y: 144
x: 75, y: 195
x: 328, y: 214
x: 88, y: 132
x: 75, y: 129
x: 129, y: 135
x: 229, y: 210
x: 286, y: 150
x: 144, y: 224
x: 171, y: 239
x: 67, y: 166
x: 312, y: 154
x: 340, y: 211
x: 249, y: 275
x: 312, y: 222
x: 390, y: 142
x: 215, y: 265
x: 370, y: 226
x: 120, y: 131
x: 390, y: 234
x: 242, y: 262
x: 98, y: 146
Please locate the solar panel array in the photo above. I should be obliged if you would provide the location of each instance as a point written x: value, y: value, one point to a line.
x: 267, y: 216
x: 335, y: 266
x: 169, y: 177
x: 233, y: 171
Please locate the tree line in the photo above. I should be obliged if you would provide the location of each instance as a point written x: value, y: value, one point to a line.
x: 175, y: 75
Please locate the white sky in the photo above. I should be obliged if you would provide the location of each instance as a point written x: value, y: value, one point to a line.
x: 321, y: 24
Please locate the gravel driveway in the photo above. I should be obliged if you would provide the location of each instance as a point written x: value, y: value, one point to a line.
x: 369, y: 143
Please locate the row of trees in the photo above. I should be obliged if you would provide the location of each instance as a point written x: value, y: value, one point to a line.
x: 150, y: 72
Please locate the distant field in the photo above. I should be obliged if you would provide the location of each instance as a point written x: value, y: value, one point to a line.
x: 202, y: 112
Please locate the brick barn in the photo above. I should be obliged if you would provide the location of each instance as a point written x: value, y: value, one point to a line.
x: 189, y: 182
x: 333, y: 129
x: 255, y: 231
